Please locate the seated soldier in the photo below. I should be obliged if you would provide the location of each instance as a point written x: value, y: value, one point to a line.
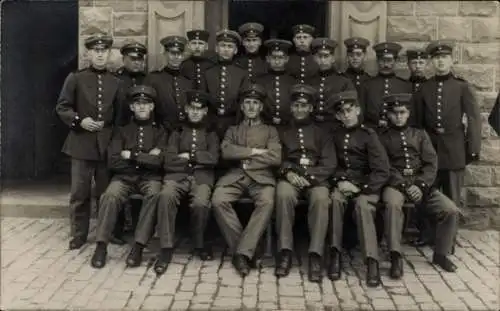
x: 413, y: 171
x: 135, y: 156
x: 191, y: 155
x: 308, y: 161
x: 255, y: 149
x: 362, y: 171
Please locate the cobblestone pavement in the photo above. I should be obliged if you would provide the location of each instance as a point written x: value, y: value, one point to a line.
x: 39, y: 272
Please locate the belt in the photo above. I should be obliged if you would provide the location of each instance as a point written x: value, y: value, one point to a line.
x: 408, y: 172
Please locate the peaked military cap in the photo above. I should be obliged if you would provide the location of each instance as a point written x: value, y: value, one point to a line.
x: 303, y: 91
x: 439, y: 48
x: 323, y: 43
x: 134, y: 49
x: 99, y: 40
x: 341, y: 98
x: 303, y: 28
x: 228, y: 36
x: 397, y: 100
x: 253, y: 91
x: 198, y: 98
x: 387, y: 48
x: 142, y: 92
x: 416, y: 54
x: 198, y: 34
x: 251, y: 29
x: 174, y: 43
x: 356, y: 43
x: 277, y: 45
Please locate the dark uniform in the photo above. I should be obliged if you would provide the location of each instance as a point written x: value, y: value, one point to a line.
x: 373, y: 107
x: 357, y: 76
x: 363, y: 162
x: 416, y: 81
x: 302, y: 65
x: 195, y: 66
x: 135, y: 50
x: 170, y: 85
x: 414, y: 162
x: 97, y: 94
x: 253, y: 63
x: 309, y: 152
x: 141, y: 172
x: 252, y: 174
x: 277, y: 85
x: 494, y: 117
x: 439, y: 108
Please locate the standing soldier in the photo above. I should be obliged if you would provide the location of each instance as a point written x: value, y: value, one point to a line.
x: 170, y: 85
x: 135, y: 158
x: 440, y: 106
x: 255, y: 149
x: 386, y: 82
x: 417, y: 61
x: 413, y: 171
x: 277, y: 83
x: 195, y: 66
x: 356, y: 56
x: 90, y: 103
x: 328, y: 81
x: 251, y: 60
x: 302, y: 65
x: 362, y: 171
x: 308, y: 161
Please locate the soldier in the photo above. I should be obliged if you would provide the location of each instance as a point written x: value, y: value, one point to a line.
x: 277, y: 83
x: 135, y: 157
x: 417, y: 61
x: 224, y: 80
x: 255, y: 149
x: 170, y: 85
x: 302, y: 65
x: 195, y: 66
x: 413, y: 170
x: 251, y: 60
x: 192, y: 153
x: 308, y: 161
x: 328, y: 81
x: 363, y: 168
x: 90, y: 104
x: 439, y: 108
x: 494, y: 117
x: 356, y: 55
x: 386, y: 82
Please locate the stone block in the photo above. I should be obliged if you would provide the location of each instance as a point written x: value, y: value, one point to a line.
x: 400, y: 8
x: 495, y: 217
x: 497, y: 75
x: 486, y: 130
x: 123, y: 6
x: 105, y: 3
x: 486, y: 100
x: 496, y: 175
x: 478, y: 8
x: 140, y: 5
x: 130, y: 24
x: 476, y: 218
x: 115, y: 60
x: 490, y: 151
x: 82, y: 3
x: 481, y: 77
x: 411, y: 28
x: 485, y: 29
x: 484, y: 197
x: 454, y: 28
x: 118, y: 42
x: 441, y: 8
x: 476, y: 175
x: 95, y: 19
x: 485, y: 53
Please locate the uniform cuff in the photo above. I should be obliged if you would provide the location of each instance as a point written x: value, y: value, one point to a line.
x: 422, y: 185
x: 133, y: 156
x: 365, y: 189
x: 75, y: 124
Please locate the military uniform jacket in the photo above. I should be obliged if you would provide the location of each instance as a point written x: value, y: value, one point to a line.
x: 139, y: 137
x: 130, y: 78
x: 439, y: 107
x: 416, y: 82
x: 412, y: 157
x: 357, y: 77
x: 302, y: 67
x: 361, y: 159
x: 95, y: 94
x: 374, y: 89
x: 203, y: 149
x: 277, y: 106
x: 237, y: 146
x: 308, y: 151
x: 194, y: 69
x: 170, y: 86
x: 254, y: 64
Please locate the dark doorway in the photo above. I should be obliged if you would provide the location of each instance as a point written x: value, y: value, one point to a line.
x: 39, y: 49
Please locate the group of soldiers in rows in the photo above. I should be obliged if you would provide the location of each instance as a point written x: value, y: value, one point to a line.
x: 211, y: 129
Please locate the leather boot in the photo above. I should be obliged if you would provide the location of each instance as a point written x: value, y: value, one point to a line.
x: 396, y: 271
x: 444, y: 262
x: 372, y: 273
x: 134, y: 258
x: 284, y: 263
x: 77, y: 242
x: 242, y: 264
x: 315, y: 268
x: 99, y: 258
x: 205, y: 253
x: 335, y: 265
x: 164, y: 259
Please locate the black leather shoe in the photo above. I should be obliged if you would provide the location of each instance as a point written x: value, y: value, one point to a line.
x: 335, y: 265
x: 444, y: 262
x: 117, y: 241
x: 396, y: 270
x: 372, y: 273
x: 99, y: 258
x: 163, y: 261
x: 77, y: 243
x: 205, y: 253
x: 315, y: 268
x: 284, y: 264
x: 242, y: 264
x: 419, y: 242
x: 134, y: 258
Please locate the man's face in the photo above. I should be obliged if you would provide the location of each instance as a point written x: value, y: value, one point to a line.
x: 348, y: 114
x: 195, y: 113
x: 251, y: 108
x: 386, y: 63
x: 198, y: 47
x: 302, y: 41
x: 442, y: 63
x: 252, y: 44
x: 134, y: 63
x: 325, y: 59
x: 142, y: 109
x: 226, y: 50
x: 301, y: 108
x: 277, y: 60
x: 98, y: 57
x: 174, y: 58
x: 417, y: 66
x: 398, y: 116
x: 356, y: 58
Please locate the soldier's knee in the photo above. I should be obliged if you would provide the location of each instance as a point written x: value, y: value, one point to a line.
x: 320, y: 197
x: 362, y: 205
x: 111, y: 197
x: 219, y: 201
x: 393, y: 205
x: 200, y: 204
